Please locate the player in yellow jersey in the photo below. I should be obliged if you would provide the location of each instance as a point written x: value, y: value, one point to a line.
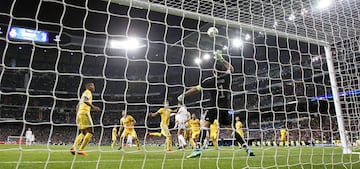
x: 194, y: 124
x: 214, y: 133
x: 164, y: 124
x: 128, y: 129
x: 283, y: 136
x: 113, y: 136
x: 84, y: 120
x: 239, y: 136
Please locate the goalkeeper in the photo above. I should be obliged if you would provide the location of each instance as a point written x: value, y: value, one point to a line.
x: 218, y: 86
x: 84, y: 120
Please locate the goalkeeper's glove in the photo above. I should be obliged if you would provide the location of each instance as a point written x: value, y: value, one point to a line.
x: 218, y: 56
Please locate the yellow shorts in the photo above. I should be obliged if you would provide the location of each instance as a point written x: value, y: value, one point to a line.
x: 130, y: 132
x: 187, y: 133
x: 165, y: 131
x: 195, y: 134
x: 84, y: 120
x: 113, y: 137
x: 213, y: 136
x: 283, y: 138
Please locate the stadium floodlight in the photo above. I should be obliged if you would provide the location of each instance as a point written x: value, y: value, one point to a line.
x: 206, y: 57
x: 197, y: 61
x: 292, y: 17
x: 304, y: 11
x: 247, y: 37
x: 128, y: 44
x: 237, y: 42
x: 323, y: 4
x: 275, y: 24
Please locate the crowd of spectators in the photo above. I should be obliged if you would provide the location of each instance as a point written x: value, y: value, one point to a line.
x: 52, y: 115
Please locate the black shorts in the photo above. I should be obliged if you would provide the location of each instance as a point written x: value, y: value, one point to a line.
x: 240, y: 139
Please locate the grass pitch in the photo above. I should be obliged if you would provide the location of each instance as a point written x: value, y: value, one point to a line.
x: 151, y: 157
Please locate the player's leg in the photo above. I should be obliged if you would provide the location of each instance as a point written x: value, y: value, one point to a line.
x: 181, y: 139
x: 113, y: 143
x: 135, y: 138
x: 89, y: 133
x: 81, y: 125
x: 214, y: 139
x: 124, y: 134
x: 209, y: 119
x: 241, y: 141
x: 166, y: 132
x: 77, y: 141
x: 187, y: 134
x: 197, y: 151
x: 194, y: 136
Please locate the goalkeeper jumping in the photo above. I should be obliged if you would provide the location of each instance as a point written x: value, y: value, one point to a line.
x: 218, y: 86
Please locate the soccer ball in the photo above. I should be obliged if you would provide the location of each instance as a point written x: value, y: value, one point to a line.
x: 212, y: 32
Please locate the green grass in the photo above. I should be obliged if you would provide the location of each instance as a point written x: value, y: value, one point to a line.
x: 58, y: 157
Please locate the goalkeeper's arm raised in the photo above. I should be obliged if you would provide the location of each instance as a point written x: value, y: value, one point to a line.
x: 198, y: 88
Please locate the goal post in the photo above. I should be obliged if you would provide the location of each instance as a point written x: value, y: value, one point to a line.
x: 337, y: 104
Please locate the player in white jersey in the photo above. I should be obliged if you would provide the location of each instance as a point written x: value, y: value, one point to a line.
x: 181, y: 119
x: 28, y: 136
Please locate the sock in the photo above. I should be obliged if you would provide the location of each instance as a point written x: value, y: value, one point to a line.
x: 113, y: 143
x: 155, y: 134
x: 192, y: 142
x: 183, y: 140
x: 78, y: 140
x: 85, y: 141
x: 215, y: 143
x: 180, y: 141
x: 206, y: 142
x: 137, y: 143
x: 168, y: 143
x: 121, y: 141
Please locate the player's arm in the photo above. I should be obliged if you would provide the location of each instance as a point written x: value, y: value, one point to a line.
x: 77, y: 107
x: 133, y: 120
x: 86, y: 101
x: 228, y: 66
x: 154, y: 114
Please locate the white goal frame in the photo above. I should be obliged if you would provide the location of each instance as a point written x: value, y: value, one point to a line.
x: 230, y: 23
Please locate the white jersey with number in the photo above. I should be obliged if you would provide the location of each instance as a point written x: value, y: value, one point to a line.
x: 181, y: 117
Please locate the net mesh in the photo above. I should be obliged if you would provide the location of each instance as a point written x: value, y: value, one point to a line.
x: 139, y: 53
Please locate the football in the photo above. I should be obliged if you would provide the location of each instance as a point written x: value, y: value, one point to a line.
x: 212, y: 32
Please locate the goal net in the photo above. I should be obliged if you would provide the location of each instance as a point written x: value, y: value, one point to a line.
x: 294, y: 87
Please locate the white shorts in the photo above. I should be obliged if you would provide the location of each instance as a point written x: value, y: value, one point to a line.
x: 182, y: 126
